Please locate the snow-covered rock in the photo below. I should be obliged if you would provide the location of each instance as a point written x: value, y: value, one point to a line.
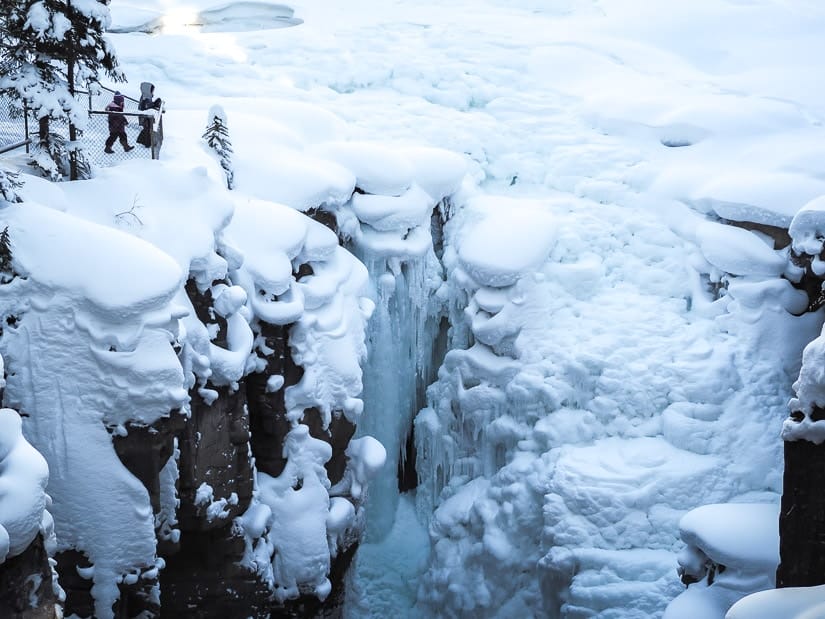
x: 23, y: 477
x: 732, y: 550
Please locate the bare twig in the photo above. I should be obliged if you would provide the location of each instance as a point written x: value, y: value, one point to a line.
x: 129, y: 217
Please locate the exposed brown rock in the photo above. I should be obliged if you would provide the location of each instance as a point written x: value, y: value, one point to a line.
x: 24, y: 579
x: 145, y: 450
x: 206, y: 581
x: 214, y: 450
x: 267, y: 411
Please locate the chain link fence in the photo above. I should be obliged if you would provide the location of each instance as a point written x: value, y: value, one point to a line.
x: 19, y: 128
x: 14, y: 128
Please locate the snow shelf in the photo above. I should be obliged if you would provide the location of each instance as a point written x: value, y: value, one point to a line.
x: 498, y: 250
x: 742, y: 535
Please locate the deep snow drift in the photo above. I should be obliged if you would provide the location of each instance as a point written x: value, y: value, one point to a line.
x: 621, y: 354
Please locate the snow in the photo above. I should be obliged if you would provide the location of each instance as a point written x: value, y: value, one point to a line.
x: 790, y: 603
x: 100, y: 362
x: 366, y: 456
x: 299, y: 504
x: 619, y: 353
x: 377, y: 168
x: 23, y: 477
x: 739, y: 252
x: 810, y: 395
x: 496, y: 252
x: 806, y: 229
x: 121, y: 285
x: 732, y: 550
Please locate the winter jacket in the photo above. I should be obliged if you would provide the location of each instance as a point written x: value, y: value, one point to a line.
x: 117, y: 122
x: 146, y: 102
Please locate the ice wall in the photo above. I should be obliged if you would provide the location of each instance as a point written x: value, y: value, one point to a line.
x: 595, y: 399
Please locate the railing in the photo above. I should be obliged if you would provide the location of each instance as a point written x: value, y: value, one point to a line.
x: 19, y: 128
x: 97, y: 130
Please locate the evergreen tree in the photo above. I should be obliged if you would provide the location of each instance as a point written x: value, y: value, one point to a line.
x: 48, y: 47
x: 217, y: 138
x: 9, y: 184
x: 6, y: 269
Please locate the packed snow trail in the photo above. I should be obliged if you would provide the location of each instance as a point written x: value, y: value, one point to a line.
x: 635, y: 393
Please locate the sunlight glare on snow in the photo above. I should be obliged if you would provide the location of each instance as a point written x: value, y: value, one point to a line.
x: 179, y: 20
x: 186, y: 21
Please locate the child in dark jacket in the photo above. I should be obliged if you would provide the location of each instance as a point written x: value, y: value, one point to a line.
x: 117, y: 125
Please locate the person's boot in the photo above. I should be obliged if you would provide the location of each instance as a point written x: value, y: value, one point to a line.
x: 127, y: 148
x: 108, y: 150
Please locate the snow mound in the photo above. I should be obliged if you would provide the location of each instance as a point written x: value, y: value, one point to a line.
x: 732, y: 550
x: 788, y: 603
x: 738, y: 252
x: 120, y: 284
x: 23, y: 477
x: 377, y: 168
x: 496, y: 251
x: 743, y: 536
x: 807, y: 230
x: 761, y: 197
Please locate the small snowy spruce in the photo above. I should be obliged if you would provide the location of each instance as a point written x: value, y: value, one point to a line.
x: 9, y: 184
x: 217, y: 138
x: 6, y: 269
x: 47, y: 49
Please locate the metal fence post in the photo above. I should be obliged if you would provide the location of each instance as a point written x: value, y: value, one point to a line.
x: 152, y: 137
x: 26, y: 124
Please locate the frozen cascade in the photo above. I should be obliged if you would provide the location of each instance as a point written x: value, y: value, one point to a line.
x: 393, y: 224
x: 389, y: 223
x: 401, y: 341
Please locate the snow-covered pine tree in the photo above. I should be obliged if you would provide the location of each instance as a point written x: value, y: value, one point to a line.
x: 217, y: 138
x: 9, y: 184
x: 48, y: 48
x: 6, y: 269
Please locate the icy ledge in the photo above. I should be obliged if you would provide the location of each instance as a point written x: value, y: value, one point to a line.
x: 732, y: 550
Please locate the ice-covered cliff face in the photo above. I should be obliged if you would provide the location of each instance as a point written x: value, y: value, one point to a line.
x: 195, y: 332
x: 636, y: 368
x: 590, y: 398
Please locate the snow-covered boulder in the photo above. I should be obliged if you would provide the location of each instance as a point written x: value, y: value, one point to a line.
x: 732, y: 550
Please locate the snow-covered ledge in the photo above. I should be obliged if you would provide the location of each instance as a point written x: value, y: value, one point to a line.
x: 731, y: 550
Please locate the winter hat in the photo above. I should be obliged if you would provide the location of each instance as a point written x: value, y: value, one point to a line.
x: 118, y: 98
